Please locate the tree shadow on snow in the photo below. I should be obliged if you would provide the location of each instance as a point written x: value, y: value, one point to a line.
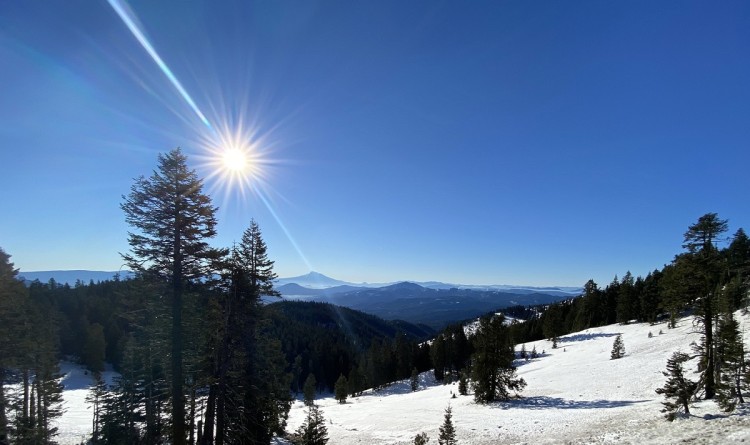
x: 543, y: 402
x: 584, y: 337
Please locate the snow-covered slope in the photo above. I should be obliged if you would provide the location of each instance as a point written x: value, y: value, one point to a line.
x: 575, y: 394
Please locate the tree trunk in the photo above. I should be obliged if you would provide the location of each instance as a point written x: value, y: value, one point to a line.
x: 208, y: 427
x: 709, y: 351
x: 178, y: 399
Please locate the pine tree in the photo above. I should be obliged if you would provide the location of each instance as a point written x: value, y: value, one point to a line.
x: 704, y: 259
x: 678, y: 390
x: 356, y: 381
x: 173, y: 219
x: 618, y: 348
x: 447, y: 431
x: 414, y: 380
x: 309, y: 389
x: 463, y: 384
x: 15, y: 335
x: 95, y: 401
x: 731, y: 361
x: 493, y: 374
x: 421, y: 439
x: 313, y: 430
x: 340, y: 389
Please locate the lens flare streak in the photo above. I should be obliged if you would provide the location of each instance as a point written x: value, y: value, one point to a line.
x: 129, y: 19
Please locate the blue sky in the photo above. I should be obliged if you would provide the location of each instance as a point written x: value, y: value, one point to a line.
x: 537, y: 143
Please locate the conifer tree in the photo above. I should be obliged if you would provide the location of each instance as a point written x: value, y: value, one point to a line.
x: 463, y: 384
x: 493, y: 373
x: 731, y: 361
x: 447, y: 431
x: 704, y: 258
x: 618, y: 348
x: 313, y: 430
x: 414, y: 380
x: 309, y: 389
x: 14, y: 335
x: 172, y: 218
x: 95, y: 401
x: 340, y: 389
x: 421, y: 439
x: 678, y: 390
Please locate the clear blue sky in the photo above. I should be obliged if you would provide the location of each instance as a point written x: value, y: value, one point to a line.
x: 538, y: 143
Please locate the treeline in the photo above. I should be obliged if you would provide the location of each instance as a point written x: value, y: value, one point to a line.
x: 706, y: 277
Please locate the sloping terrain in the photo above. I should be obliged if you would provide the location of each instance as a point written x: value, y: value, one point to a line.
x: 575, y: 394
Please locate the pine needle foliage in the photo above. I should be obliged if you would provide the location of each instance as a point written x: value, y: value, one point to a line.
x: 678, y: 390
x: 618, y: 348
x: 447, y: 430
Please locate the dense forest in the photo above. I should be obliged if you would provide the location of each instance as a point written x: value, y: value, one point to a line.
x: 203, y: 360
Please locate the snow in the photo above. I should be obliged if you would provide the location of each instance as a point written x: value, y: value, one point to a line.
x: 575, y: 394
x: 75, y: 424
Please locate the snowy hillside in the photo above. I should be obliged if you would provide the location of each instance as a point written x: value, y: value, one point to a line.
x: 575, y: 394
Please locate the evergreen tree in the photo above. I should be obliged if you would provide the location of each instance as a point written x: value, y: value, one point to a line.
x: 356, y: 381
x: 678, y: 390
x: 309, y: 389
x: 15, y: 335
x: 173, y: 219
x: 731, y: 361
x: 438, y: 356
x: 705, y: 260
x: 463, y: 384
x: 626, y: 299
x: 340, y: 389
x: 313, y: 430
x: 421, y: 439
x: 493, y: 373
x: 95, y: 401
x: 414, y: 380
x: 618, y: 348
x: 94, y: 348
x: 447, y: 431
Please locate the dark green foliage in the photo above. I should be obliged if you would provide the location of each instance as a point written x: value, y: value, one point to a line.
x: 678, y: 390
x: 313, y: 430
x: 421, y: 439
x: 310, y: 389
x: 731, y: 361
x: 414, y: 380
x: 626, y: 299
x: 618, y: 348
x: 95, y: 400
x: 173, y: 219
x: 463, y: 384
x: 493, y: 374
x: 94, y: 348
x: 331, y: 340
x: 340, y: 390
x: 447, y: 431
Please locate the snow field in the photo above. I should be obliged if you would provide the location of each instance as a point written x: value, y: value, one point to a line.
x: 574, y: 394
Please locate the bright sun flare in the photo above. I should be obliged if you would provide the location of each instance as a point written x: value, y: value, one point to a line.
x: 235, y: 160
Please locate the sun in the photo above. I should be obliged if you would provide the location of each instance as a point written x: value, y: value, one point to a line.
x: 235, y: 160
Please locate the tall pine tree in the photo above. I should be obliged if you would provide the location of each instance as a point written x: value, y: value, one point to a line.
x: 173, y: 219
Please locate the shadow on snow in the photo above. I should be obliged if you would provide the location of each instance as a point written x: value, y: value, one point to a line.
x: 543, y: 402
x: 585, y: 337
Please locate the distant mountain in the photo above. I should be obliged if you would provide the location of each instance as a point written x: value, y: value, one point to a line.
x: 421, y: 305
x: 71, y: 276
x: 313, y: 280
